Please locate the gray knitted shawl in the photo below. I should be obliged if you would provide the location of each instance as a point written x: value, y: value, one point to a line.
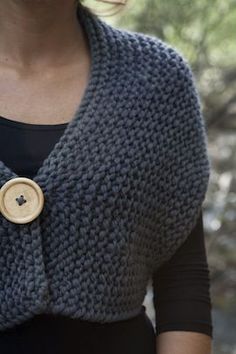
x: 123, y: 186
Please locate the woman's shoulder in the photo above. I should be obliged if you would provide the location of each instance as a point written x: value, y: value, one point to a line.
x: 153, y: 55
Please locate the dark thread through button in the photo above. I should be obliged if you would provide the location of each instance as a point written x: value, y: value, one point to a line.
x: 21, y: 200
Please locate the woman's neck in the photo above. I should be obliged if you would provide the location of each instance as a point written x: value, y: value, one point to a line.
x: 37, y: 34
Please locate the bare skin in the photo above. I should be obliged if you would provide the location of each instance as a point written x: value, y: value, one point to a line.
x: 43, y: 56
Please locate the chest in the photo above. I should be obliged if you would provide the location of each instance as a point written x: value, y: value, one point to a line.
x: 51, y: 98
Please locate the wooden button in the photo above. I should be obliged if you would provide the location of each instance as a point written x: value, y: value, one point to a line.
x: 21, y: 200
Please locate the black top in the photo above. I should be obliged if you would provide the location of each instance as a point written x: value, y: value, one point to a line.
x: 181, y: 295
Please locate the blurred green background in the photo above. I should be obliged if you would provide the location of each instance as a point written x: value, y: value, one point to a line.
x: 204, y: 31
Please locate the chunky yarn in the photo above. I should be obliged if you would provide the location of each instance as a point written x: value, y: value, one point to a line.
x: 123, y: 186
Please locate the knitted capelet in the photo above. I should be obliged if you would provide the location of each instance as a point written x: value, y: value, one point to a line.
x: 123, y: 186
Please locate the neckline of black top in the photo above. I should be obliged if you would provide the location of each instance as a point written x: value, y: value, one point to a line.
x: 30, y: 126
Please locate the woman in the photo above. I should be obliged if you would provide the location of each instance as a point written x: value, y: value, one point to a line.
x: 57, y: 284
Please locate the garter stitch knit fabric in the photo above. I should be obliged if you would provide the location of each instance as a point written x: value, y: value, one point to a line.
x: 123, y: 186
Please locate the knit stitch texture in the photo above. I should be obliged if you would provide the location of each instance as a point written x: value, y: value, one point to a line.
x: 123, y: 186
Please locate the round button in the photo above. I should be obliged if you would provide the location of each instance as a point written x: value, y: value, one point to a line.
x: 21, y: 200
